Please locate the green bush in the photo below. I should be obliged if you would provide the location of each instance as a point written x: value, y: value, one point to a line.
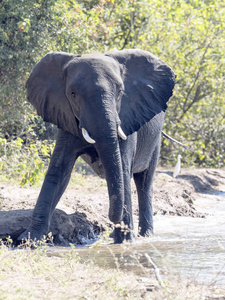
x: 26, y: 164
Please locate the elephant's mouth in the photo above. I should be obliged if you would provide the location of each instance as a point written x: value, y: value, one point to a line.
x: 87, y: 137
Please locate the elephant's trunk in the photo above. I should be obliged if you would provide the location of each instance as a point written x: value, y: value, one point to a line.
x: 111, y: 160
x: 100, y: 120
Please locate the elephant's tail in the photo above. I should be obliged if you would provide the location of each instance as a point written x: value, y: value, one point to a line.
x: 175, y: 141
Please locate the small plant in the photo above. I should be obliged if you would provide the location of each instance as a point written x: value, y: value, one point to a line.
x: 33, y: 244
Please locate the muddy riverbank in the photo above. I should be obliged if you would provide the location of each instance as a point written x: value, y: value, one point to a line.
x: 82, y: 213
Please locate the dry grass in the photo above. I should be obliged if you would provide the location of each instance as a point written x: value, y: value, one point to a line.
x: 37, y: 274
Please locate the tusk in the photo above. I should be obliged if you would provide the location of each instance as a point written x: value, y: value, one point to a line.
x: 87, y: 136
x: 121, y: 133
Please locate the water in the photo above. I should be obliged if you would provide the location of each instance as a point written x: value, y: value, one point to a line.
x: 195, y: 247
x: 192, y: 248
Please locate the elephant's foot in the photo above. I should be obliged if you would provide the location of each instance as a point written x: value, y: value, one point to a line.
x: 146, y: 231
x: 120, y: 235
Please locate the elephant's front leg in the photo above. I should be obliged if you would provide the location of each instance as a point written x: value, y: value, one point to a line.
x: 55, y: 183
x: 124, y: 230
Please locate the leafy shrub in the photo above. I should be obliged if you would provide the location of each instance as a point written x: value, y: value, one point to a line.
x: 26, y: 163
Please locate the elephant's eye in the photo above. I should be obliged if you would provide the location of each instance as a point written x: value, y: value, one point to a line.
x: 73, y: 94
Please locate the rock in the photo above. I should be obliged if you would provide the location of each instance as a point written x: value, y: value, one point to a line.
x: 66, y: 229
x: 82, y: 231
x: 14, y: 222
x: 62, y: 228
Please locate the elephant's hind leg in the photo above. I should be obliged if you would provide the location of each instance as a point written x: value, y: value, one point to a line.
x: 144, y: 185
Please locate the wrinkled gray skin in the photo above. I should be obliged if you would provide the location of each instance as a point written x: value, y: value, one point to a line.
x: 99, y: 92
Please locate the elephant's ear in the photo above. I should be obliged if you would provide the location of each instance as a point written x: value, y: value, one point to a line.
x: 46, y: 91
x: 149, y: 84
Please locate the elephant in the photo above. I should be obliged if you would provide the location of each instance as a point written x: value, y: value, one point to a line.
x: 109, y: 109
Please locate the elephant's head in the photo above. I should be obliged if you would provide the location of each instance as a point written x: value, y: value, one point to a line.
x: 103, y: 96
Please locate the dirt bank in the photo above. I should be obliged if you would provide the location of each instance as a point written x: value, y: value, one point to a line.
x: 83, y: 210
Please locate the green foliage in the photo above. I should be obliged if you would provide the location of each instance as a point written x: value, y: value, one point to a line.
x: 188, y: 35
x: 27, y: 164
x: 22, y: 32
x: 196, y: 39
